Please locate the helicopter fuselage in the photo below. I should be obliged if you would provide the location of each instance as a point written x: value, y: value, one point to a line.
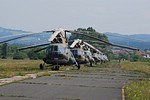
x: 79, y: 55
x: 58, y: 54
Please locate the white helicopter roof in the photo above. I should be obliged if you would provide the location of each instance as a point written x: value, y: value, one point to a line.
x: 92, y: 47
x: 56, y: 32
x: 75, y: 42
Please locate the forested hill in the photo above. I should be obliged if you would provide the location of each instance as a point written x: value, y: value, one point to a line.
x: 142, y: 40
x: 5, y: 31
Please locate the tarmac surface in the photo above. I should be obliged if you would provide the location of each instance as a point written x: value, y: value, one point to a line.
x: 100, y: 84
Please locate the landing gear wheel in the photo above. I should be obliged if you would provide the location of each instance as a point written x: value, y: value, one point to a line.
x: 78, y: 65
x: 41, y: 67
x: 90, y: 64
x: 56, y: 67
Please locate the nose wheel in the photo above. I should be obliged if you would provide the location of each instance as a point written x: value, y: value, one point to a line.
x: 55, y: 67
x: 42, y: 66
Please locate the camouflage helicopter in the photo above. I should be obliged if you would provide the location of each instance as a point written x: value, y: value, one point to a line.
x: 81, y: 52
x: 57, y: 48
x: 77, y: 48
x: 57, y: 51
x: 96, y: 53
x: 86, y: 53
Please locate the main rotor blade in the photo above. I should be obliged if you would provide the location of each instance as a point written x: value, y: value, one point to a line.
x: 38, y: 50
x: 108, y: 43
x: 125, y: 36
x: 34, y: 46
x: 116, y: 45
x: 13, y: 39
x: 121, y: 46
x: 94, y: 42
x: 22, y: 36
x: 7, y: 36
x: 117, y: 35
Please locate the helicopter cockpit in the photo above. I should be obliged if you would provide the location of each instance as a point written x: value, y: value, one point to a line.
x: 56, y: 54
x: 77, y: 53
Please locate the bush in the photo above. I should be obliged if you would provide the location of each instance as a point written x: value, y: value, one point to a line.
x: 19, y: 55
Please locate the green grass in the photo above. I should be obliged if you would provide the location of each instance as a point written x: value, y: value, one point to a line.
x: 143, y: 67
x: 98, y: 68
x: 137, y: 90
x: 9, y: 68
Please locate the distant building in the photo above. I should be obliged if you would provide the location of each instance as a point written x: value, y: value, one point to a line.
x: 148, y: 51
x: 143, y: 53
x: 140, y: 53
x: 117, y: 52
x: 147, y: 56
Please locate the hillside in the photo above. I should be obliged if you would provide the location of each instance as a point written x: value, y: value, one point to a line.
x: 34, y: 39
x: 141, y: 41
x: 5, y: 32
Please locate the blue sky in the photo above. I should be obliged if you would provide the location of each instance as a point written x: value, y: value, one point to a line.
x: 121, y: 16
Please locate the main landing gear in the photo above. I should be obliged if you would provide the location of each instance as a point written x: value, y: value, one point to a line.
x: 55, y: 67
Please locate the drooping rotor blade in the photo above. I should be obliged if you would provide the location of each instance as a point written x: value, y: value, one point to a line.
x: 117, y: 45
x: 94, y: 42
x: 18, y: 36
x: 99, y: 42
x: 108, y: 43
x: 14, y: 35
x: 38, y: 50
x: 117, y: 35
x: 121, y: 46
x: 126, y: 36
x: 34, y: 46
x: 13, y: 39
x: 49, y: 31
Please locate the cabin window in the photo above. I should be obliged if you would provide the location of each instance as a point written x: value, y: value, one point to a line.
x: 74, y: 52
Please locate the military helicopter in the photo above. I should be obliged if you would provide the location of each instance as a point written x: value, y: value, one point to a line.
x: 77, y: 48
x: 57, y: 49
x: 85, y: 52
x: 96, y: 53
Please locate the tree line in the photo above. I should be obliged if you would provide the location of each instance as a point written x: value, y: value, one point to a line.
x: 10, y: 51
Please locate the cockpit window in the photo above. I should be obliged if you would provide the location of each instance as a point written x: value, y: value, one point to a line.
x: 74, y: 52
x: 61, y: 49
x: 55, y: 48
x: 52, y: 48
